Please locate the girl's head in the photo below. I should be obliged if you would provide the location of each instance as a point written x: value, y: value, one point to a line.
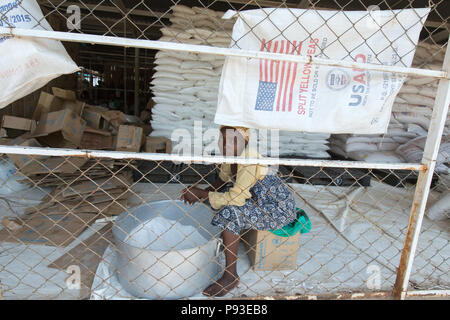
x: 233, y: 140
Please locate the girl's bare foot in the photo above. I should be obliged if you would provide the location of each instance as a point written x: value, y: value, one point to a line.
x: 222, y: 286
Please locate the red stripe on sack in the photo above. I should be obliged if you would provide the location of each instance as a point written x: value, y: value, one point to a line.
x: 277, y: 75
x: 282, y: 76
x: 260, y: 61
x: 275, y: 47
x: 266, y: 62
x: 294, y: 73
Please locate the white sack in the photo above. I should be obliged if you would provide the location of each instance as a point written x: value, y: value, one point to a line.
x: 27, y: 64
x: 344, y: 100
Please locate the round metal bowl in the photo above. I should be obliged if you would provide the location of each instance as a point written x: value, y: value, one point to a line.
x: 156, y: 262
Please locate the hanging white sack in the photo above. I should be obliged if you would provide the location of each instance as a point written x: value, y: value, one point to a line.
x: 259, y: 93
x: 27, y: 64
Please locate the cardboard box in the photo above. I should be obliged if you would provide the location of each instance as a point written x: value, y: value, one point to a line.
x: 47, y: 103
x: 115, y: 118
x: 130, y: 138
x: 267, y: 251
x: 96, y: 141
x: 60, y: 129
x: 16, y: 126
x: 75, y: 106
x: 29, y: 165
x: 94, y: 117
x: 158, y: 145
x: 64, y: 94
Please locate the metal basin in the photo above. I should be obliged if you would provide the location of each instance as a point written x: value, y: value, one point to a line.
x: 166, y: 250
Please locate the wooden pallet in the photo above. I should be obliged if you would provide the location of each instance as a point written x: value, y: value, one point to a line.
x: 400, y: 178
x: 169, y: 172
x: 395, y: 178
x: 332, y: 176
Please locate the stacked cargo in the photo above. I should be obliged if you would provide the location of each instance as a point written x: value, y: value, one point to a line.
x: 185, y: 85
x: 410, y: 120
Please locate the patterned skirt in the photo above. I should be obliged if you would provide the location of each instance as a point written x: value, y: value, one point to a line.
x: 272, y: 206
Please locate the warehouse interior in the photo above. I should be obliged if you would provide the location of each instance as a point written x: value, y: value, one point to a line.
x: 104, y: 77
x: 359, y: 216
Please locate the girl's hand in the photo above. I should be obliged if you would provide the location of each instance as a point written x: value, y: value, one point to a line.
x: 192, y: 195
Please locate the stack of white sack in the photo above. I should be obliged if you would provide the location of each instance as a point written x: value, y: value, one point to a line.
x: 299, y: 144
x: 185, y: 85
x: 410, y: 119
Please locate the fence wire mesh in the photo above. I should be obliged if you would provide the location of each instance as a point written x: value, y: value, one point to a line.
x: 433, y: 242
x: 61, y: 223
x: 60, y: 231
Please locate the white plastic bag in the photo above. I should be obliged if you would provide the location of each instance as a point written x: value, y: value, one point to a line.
x: 269, y: 94
x: 27, y: 64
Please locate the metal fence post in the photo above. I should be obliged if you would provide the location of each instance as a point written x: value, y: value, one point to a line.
x: 430, y: 154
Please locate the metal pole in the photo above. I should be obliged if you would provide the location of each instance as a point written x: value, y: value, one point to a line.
x: 204, y: 159
x: 136, y: 82
x: 125, y: 71
x: 232, y: 52
x: 430, y: 154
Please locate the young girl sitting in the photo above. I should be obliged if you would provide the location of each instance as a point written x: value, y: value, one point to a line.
x: 258, y: 200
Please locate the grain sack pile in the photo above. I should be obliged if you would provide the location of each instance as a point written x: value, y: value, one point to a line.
x: 185, y: 85
x: 410, y: 120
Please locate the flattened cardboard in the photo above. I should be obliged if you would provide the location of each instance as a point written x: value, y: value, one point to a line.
x: 29, y: 165
x: 47, y: 103
x: 60, y: 129
x: 12, y: 224
x: 129, y: 138
x: 64, y: 94
x: 58, y: 229
x: 99, y: 202
x: 267, y: 251
x: 16, y: 126
x: 87, y: 255
x: 105, y: 208
x: 158, y: 145
x: 104, y: 184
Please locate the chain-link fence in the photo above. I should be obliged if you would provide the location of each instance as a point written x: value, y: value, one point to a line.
x: 353, y: 244
x: 110, y: 224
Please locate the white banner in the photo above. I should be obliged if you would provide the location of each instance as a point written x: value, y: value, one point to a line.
x: 259, y: 93
x: 27, y: 64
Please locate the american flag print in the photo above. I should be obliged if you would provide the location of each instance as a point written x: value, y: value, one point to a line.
x: 276, y: 78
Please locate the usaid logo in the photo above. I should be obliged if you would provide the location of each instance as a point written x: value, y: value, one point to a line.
x: 337, y: 79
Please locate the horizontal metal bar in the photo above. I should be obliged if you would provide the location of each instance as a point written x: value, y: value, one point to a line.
x: 353, y: 296
x: 163, y: 45
x: 423, y: 185
x: 428, y: 293
x: 205, y: 159
x: 327, y: 296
